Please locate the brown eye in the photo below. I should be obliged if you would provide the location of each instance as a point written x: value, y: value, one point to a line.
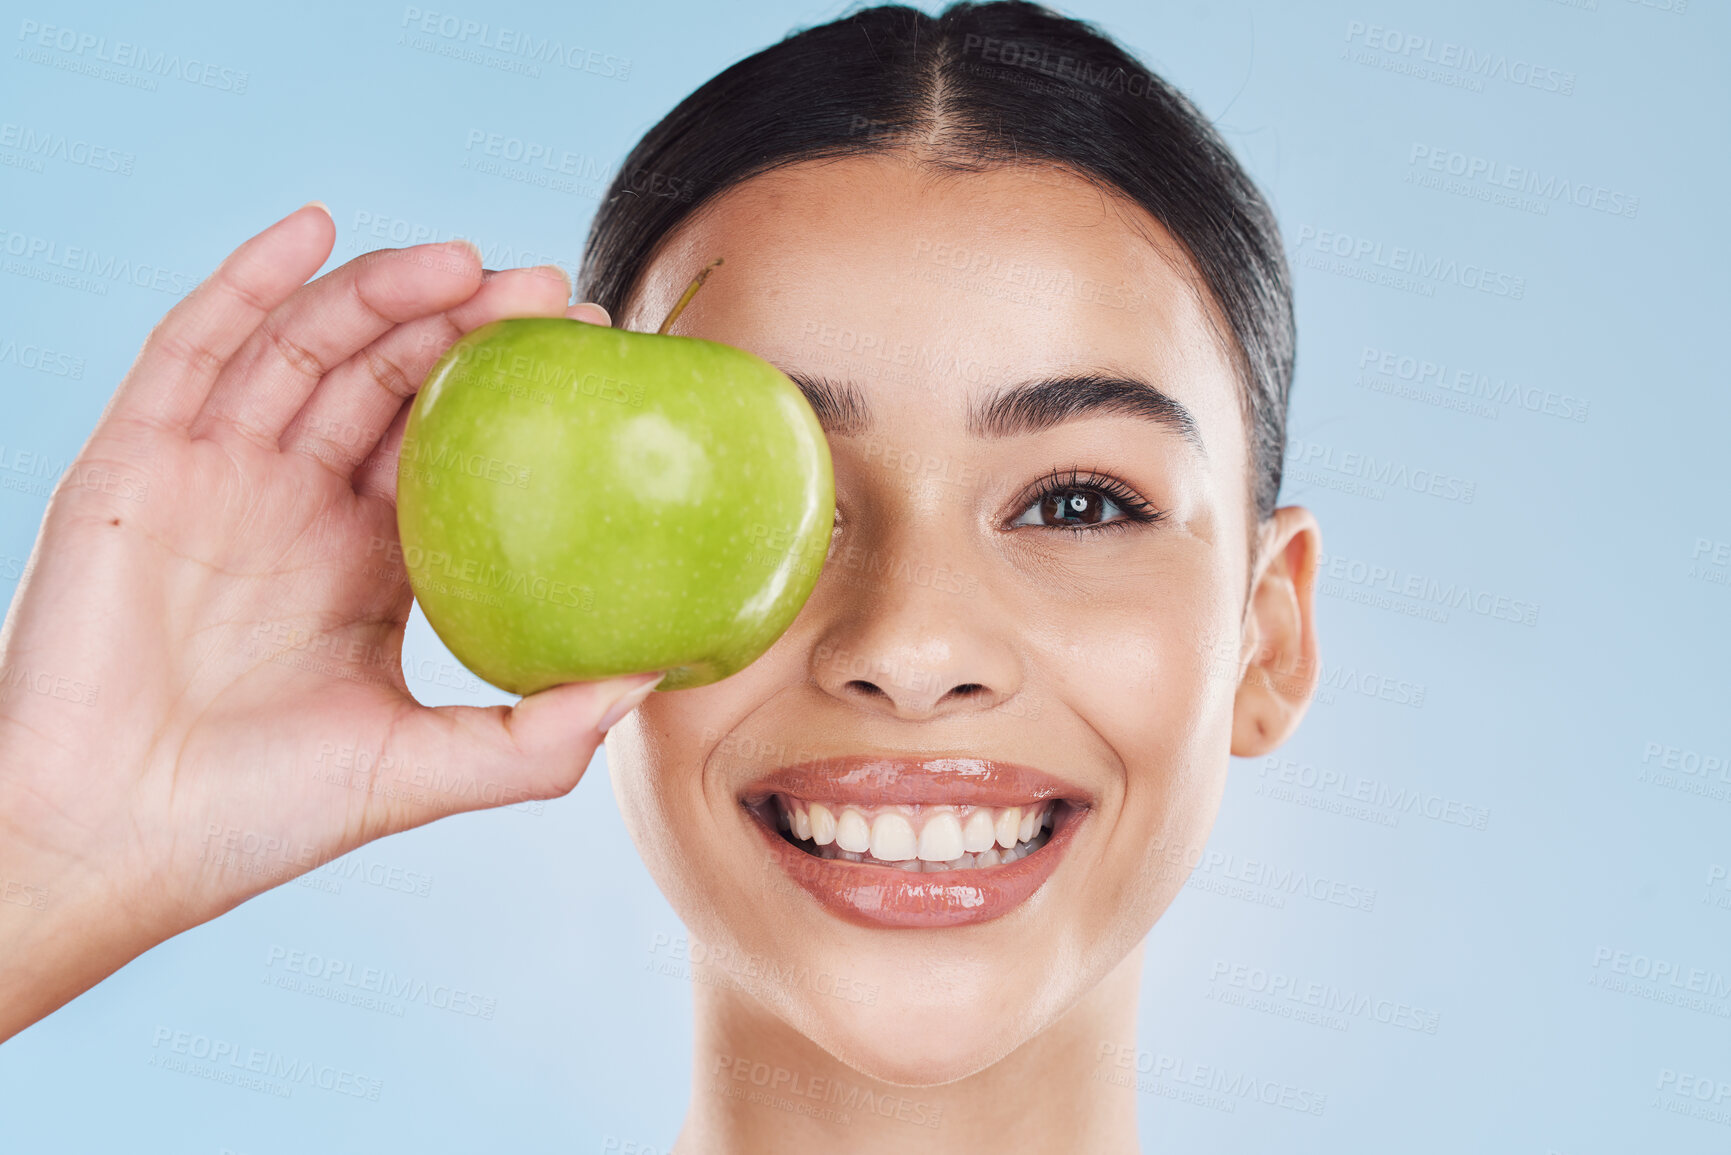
x: 1075, y: 507
x: 1077, y: 502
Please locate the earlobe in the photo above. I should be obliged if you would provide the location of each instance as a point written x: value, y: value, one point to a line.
x: 1278, y: 659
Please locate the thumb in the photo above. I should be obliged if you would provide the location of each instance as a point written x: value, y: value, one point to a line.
x: 478, y: 757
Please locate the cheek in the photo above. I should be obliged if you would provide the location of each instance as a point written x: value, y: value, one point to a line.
x: 655, y: 772
x: 1151, y: 670
x: 632, y: 760
x: 1139, y: 657
x: 669, y: 762
x: 655, y: 763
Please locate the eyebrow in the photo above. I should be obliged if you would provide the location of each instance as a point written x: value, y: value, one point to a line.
x: 1018, y: 410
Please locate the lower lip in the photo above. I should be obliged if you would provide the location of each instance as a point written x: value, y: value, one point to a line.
x: 882, y: 896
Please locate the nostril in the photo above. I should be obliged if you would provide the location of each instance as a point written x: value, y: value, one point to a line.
x: 966, y: 691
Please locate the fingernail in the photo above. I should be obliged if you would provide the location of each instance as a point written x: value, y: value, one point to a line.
x: 598, y: 308
x: 470, y: 245
x: 322, y: 206
x: 626, y: 703
x: 563, y: 276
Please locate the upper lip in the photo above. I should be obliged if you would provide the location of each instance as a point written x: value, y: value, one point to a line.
x: 888, y: 779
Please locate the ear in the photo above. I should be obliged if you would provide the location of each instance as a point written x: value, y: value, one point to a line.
x: 1278, y: 659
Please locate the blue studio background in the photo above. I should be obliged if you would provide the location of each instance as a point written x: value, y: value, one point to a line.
x: 1507, y: 228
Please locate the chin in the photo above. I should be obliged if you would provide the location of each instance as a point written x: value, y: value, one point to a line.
x: 905, y: 1046
x: 931, y: 1007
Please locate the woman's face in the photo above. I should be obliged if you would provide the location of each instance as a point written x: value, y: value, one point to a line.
x: 1036, y: 601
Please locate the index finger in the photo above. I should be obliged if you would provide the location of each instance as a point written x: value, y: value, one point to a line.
x: 185, y: 353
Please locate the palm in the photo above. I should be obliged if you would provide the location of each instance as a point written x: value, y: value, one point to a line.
x: 273, y: 647
x: 209, y: 635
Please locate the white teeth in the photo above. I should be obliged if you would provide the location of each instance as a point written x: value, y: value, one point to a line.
x: 822, y: 824
x: 917, y: 836
x: 852, y: 833
x: 977, y: 833
x: 991, y: 857
x: 940, y: 838
x: 892, y: 838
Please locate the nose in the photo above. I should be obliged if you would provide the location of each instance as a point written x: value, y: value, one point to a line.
x: 910, y: 636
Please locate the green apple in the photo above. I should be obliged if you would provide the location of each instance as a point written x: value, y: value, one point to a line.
x: 577, y: 502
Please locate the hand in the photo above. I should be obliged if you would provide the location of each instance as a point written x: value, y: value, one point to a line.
x: 201, y: 693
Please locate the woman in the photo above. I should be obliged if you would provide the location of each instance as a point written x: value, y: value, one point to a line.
x: 1045, y: 321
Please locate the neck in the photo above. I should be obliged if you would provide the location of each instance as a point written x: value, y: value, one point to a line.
x: 761, y: 1087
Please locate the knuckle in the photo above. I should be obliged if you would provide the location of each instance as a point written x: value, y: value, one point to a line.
x: 190, y: 354
x: 249, y: 297
x: 298, y: 357
x: 433, y: 338
x: 389, y: 375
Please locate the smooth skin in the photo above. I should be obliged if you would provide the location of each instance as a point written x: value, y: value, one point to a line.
x: 1131, y: 663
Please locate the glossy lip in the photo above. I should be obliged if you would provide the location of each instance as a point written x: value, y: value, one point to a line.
x: 880, y: 780
x: 883, y: 896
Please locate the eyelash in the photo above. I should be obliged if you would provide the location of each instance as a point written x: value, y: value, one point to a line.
x: 1135, y: 509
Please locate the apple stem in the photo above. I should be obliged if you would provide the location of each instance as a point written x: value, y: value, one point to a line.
x: 685, y: 297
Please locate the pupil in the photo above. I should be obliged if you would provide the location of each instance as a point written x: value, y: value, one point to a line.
x: 1076, y: 506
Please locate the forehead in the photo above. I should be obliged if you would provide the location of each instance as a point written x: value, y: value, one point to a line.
x: 920, y: 285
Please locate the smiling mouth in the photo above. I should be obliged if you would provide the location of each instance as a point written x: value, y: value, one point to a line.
x: 917, y: 838
x: 899, y: 842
